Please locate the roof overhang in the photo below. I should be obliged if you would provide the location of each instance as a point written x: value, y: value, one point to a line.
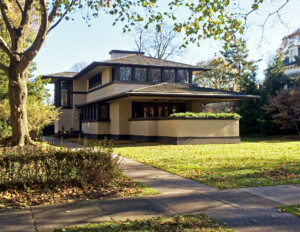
x: 174, y: 96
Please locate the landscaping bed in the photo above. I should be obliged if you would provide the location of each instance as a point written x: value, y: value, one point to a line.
x: 254, y: 162
x: 197, y: 222
x: 45, y: 175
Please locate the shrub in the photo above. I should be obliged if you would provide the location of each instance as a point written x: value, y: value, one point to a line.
x: 207, y: 115
x: 20, y: 167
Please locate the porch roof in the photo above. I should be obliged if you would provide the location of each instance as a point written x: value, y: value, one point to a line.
x: 177, y: 90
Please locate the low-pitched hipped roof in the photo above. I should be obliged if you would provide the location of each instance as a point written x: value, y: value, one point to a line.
x: 167, y: 88
x: 177, y: 90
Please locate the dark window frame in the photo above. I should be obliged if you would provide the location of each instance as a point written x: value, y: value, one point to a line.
x: 92, y: 112
x: 139, y: 107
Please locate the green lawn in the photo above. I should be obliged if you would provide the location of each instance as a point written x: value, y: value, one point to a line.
x: 254, y: 162
x: 198, y: 222
x: 294, y: 209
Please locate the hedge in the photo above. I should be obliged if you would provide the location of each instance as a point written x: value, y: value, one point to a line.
x: 21, y: 167
x: 207, y: 115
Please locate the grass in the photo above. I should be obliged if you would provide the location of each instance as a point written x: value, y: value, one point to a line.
x: 254, y: 162
x: 198, y: 222
x: 293, y: 209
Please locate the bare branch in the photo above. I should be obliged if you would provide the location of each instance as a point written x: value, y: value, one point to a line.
x: 54, y: 13
x: 267, y: 19
x: 5, y: 48
x: 58, y: 21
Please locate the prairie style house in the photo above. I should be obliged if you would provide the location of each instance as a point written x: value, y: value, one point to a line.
x: 131, y: 96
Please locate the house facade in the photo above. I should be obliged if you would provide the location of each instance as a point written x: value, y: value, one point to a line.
x: 131, y: 96
x: 292, y: 66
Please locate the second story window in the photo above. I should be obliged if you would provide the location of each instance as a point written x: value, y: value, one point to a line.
x: 169, y: 75
x: 125, y: 73
x: 183, y: 76
x: 140, y: 74
x: 95, y: 81
x: 63, y: 94
x: 155, y: 75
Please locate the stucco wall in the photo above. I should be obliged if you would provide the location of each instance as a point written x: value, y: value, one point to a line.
x: 120, y: 112
x: 143, y: 128
x: 185, y: 128
x: 112, y: 89
x: 95, y: 128
x: 80, y: 85
x: 65, y: 119
x: 106, y: 76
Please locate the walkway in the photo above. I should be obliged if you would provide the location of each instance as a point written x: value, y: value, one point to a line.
x: 248, y: 209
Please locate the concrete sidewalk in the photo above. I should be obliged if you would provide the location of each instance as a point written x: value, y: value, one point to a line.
x: 248, y: 209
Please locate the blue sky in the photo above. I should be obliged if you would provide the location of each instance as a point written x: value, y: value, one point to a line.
x: 74, y: 41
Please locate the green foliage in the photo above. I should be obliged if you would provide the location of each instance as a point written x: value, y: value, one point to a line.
x: 230, y: 71
x: 275, y: 79
x: 39, y: 115
x: 216, y: 77
x: 258, y: 162
x: 57, y: 166
x: 183, y: 223
x: 207, y: 115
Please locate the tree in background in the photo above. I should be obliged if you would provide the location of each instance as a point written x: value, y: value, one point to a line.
x: 215, y: 78
x: 275, y: 79
x: 230, y: 70
x: 284, y: 109
x: 238, y: 66
x: 287, y: 41
x: 77, y: 67
x: 163, y: 44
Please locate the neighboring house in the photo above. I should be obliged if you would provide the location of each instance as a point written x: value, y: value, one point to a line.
x: 131, y: 96
x: 292, y: 67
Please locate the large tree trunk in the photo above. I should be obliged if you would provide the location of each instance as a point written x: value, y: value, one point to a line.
x: 17, y: 92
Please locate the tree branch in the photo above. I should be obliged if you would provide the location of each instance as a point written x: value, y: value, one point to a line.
x: 5, y: 48
x: 19, y: 5
x: 53, y: 14
x: 25, y: 16
x: 32, y: 51
x: 4, y: 68
x: 58, y: 21
x: 4, y: 10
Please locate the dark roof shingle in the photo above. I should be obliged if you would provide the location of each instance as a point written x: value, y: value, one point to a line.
x: 138, y: 59
x: 181, y: 88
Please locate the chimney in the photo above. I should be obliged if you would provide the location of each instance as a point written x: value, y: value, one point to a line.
x: 121, y: 53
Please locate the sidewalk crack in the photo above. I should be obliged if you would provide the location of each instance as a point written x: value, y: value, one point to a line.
x: 33, y: 219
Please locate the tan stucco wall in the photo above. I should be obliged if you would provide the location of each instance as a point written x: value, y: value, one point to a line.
x: 65, y: 119
x: 112, y: 90
x: 106, y: 76
x: 185, y: 128
x: 80, y: 85
x: 143, y: 128
x: 120, y: 112
x: 79, y: 99
x: 101, y: 128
